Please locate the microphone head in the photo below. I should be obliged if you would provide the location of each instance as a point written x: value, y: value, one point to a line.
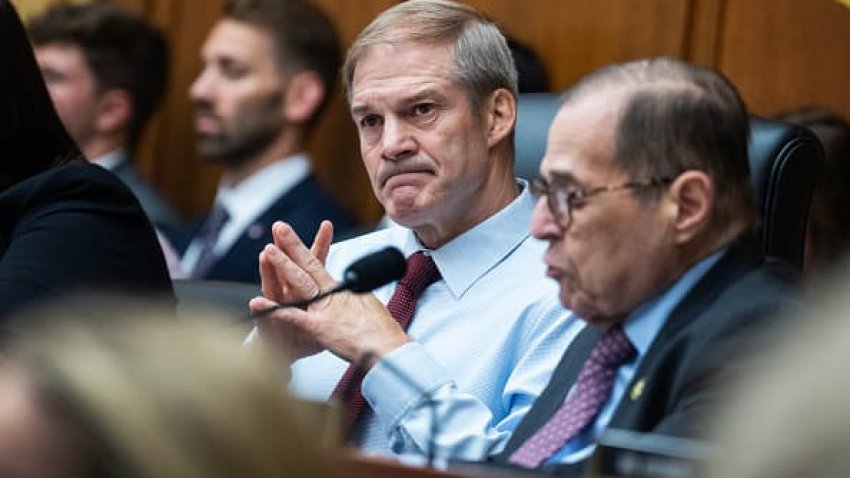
x: 374, y: 270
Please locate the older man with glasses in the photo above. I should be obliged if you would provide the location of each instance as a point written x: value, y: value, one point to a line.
x: 645, y: 200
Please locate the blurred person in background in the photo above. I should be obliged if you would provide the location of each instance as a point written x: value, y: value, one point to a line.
x: 108, y: 388
x: 828, y: 233
x: 269, y: 70
x: 65, y: 224
x: 106, y: 70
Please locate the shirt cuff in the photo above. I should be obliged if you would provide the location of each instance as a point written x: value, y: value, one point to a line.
x: 401, y: 380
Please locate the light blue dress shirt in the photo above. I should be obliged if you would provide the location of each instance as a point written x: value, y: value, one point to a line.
x: 486, y: 338
x: 641, y: 327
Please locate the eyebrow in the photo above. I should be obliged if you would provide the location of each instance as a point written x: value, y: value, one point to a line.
x: 357, y: 110
x: 425, y: 94
x: 563, y: 177
x: 428, y: 93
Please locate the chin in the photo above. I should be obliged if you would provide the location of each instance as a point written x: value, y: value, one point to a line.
x: 405, y: 213
x: 410, y: 221
x: 598, y: 320
x: 584, y: 309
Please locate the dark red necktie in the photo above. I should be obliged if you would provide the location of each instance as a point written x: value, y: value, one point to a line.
x: 421, y: 272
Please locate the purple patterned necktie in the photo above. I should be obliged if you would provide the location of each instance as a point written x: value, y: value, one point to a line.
x: 579, y: 409
x: 421, y: 272
x: 212, y: 229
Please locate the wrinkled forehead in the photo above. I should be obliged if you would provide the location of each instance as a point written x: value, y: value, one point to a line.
x: 387, y: 53
x: 396, y: 68
x: 405, y: 57
x: 582, y: 137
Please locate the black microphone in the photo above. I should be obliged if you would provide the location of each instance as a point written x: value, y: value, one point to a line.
x: 363, y: 275
x: 374, y: 270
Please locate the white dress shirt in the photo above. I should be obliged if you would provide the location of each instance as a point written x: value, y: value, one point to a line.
x: 486, y: 338
x: 246, y: 201
x: 111, y: 159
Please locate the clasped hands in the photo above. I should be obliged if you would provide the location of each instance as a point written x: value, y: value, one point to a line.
x: 352, y: 326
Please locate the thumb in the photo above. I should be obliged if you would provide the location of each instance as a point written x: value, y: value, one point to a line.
x: 260, y: 303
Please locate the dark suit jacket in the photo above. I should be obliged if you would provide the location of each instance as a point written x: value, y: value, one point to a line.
x: 678, y: 380
x: 75, y: 227
x: 159, y: 212
x: 304, y: 207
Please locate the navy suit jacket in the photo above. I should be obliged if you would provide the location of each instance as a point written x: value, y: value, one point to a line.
x: 159, y: 212
x: 679, y: 380
x: 304, y: 207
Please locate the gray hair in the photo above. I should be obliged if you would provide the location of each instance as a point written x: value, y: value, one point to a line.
x: 678, y: 117
x: 482, y: 59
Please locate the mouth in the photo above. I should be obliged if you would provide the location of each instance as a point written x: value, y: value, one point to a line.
x: 206, y: 123
x: 407, y: 178
x: 554, y: 273
x: 404, y: 175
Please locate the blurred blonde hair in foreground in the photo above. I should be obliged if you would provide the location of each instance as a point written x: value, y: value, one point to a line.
x: 791, y: 417
x: 100, y: 391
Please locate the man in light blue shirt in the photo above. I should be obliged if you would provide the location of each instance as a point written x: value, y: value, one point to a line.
x: 436, y: 136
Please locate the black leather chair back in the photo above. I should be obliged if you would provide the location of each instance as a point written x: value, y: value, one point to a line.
x: 784, y: 161
x: 535, y: 112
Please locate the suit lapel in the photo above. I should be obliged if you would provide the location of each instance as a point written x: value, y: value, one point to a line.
x: 237, y: 263
x: 741, y: 257
x: 555, y: 393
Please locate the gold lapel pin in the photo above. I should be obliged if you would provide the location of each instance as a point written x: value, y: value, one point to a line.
x: 637, y: 389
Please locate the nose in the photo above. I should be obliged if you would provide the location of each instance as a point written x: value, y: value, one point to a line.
x: 201, y: 88
x: 543, y: 223
x: 397, y: 141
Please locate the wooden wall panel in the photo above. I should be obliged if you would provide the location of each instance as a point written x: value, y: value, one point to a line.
x: 702, y: 33
x: 28, y: 8
x: 575, y: 37
x: 780, y: 52
x: 784, y: 53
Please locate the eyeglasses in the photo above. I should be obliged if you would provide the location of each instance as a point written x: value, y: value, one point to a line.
x: 561, y: 198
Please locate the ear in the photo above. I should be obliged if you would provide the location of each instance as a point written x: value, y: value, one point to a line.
x: 691, y: 197
x: 304, y: 94
x: 500, y: 114
x: 113, y: 112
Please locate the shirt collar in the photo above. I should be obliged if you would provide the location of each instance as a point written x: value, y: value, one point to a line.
x: 110, y: 160
x: 466, y: 258
x: 644, y: 323
x: 248, y: 199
